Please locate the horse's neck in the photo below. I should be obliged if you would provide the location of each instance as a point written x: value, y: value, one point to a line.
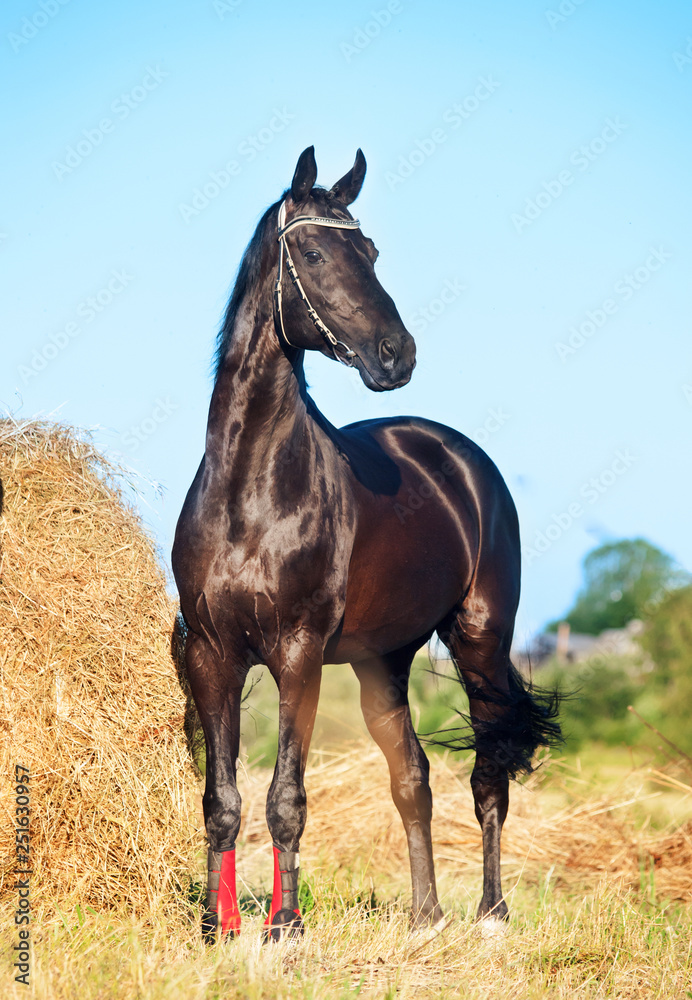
x: 258, y: 407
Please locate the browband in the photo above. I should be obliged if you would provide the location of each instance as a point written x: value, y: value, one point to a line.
x: 315, y: 220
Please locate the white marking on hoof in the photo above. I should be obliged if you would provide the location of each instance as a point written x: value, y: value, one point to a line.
x: 290, y: 942
x: 492, y: 927
x: 420, y: 936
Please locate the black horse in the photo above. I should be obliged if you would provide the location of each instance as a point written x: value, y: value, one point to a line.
x: 300, y: 544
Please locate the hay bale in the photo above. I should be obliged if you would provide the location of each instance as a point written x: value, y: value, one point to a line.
x: 90, y: 700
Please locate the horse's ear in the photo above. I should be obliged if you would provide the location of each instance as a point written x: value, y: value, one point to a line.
x: 348, y: 188
x: 305, y: 175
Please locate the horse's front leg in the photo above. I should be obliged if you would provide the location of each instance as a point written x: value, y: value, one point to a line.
x: 297, y: 671
x: 217, y: 688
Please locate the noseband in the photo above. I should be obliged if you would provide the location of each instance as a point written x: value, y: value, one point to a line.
x: 341, y: 351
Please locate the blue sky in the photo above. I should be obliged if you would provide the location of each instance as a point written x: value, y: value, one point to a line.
x: 530, y: 161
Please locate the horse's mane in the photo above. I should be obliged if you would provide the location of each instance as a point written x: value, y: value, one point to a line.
x: 248, y: 276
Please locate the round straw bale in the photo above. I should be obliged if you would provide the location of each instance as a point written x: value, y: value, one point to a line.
x: 90, y: 698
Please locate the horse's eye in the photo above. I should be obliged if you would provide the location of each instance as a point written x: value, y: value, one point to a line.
x: 313, y: 257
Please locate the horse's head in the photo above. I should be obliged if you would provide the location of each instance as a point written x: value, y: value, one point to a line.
x: 335, y: 303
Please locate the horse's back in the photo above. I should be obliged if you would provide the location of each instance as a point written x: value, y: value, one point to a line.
x: 396, y: 452
x: 434, y: 517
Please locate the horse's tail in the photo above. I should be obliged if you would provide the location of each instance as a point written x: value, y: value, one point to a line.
x: 178, y: 643
x: 191, y: 724
x: 524, y: 718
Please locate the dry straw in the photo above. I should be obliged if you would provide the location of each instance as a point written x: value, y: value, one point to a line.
x: 589, y: 839
x: 91, y: 703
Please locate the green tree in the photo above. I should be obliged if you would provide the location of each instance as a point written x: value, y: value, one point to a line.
x: 622, y: 580
x: 668, y: 641
x: 668, y: 636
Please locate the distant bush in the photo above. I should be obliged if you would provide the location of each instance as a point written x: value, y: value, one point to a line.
x: 598, y: 692
x: 668, y: 641
x: 596, y: 695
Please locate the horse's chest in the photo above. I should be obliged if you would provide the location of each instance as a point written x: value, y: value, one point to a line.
x: 281, y: 582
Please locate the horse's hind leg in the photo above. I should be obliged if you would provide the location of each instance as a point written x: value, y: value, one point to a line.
x: 384, y: 700
x: 217, y: 689
x: 481, y: 655
x: 484, y: 664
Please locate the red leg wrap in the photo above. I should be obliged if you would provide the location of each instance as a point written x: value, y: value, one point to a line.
x: 281, y: 894
x: 227, y: 899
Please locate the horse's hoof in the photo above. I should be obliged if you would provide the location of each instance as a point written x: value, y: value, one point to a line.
x: 492, y: 927
x: 419, y: 936
x: 210, y: 923
x: 210, y: 929
x: 286, y: 925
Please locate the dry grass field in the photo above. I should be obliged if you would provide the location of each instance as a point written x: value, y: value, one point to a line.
x: 597, y: 853
x: 600, y: 901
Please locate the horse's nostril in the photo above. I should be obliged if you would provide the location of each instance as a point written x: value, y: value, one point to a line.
x: 387, y: 353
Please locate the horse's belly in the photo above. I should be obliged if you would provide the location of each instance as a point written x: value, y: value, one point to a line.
x: 398, y: 593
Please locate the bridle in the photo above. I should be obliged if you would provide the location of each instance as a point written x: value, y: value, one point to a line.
x: 341, y: 351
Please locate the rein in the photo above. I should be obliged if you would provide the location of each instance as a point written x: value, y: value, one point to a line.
x: 341, y: 351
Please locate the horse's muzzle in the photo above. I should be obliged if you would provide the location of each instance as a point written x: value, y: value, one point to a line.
x: 393, y: 365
